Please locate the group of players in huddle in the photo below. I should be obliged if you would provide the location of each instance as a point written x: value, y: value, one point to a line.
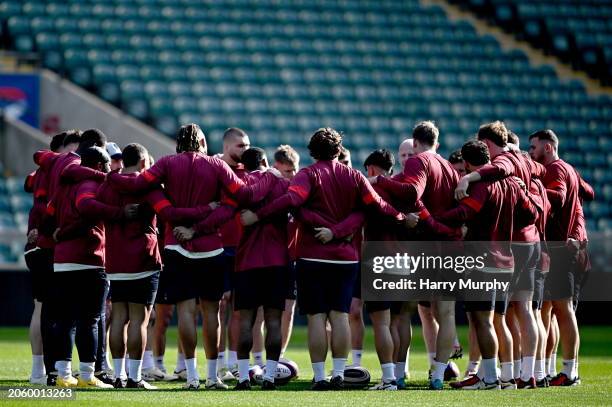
x: 239, y: 241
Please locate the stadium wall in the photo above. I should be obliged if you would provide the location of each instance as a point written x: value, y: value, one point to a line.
x: 67, y: 106
x: 19, y: 142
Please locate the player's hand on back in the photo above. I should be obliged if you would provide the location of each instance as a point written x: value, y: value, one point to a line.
x: 248, y: 218
x: 214, y: 205
x: 412, y: 219
x: 130, y: 211
x: 461, y: 190
x: 521, y: 183
x: 183, y: 234
x: 32, y: 236
x: 324, y: 235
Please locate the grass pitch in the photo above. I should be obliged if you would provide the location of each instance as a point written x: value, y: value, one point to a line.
x: 595, y: 371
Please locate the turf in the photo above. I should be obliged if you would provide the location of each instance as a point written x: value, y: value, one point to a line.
x: 595, y: 370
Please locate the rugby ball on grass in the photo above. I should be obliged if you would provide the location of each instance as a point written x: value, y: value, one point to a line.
x: 256, y: 375
x: 356, y: 377
x: 451, y: 372
x: 283, y: 374
x: 291, y: 365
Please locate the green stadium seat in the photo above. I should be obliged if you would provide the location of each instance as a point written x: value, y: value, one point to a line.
x: 9, y: 9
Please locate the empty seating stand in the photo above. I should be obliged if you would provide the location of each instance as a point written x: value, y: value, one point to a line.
x: 577, y: 31
x: 280, y: 69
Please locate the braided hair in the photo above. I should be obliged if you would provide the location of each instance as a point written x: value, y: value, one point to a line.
x: 188, y: 138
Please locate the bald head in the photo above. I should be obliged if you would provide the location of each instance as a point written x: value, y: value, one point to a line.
x: 406, y: 150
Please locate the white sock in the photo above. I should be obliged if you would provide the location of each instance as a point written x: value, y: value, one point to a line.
x: 517, y: 369
x: 400, y: 370
x: 135, y: 369
x: 438, y: 370
x: 552, y: 369
x: 432, y: 357
x: 87, y: 370
x: 577, y: 365
x: 270, y: 370
x: 127, y: 363
x: 538, y: 370
x: 507, y: 371
x: 489, y: 366
x: 192, y: 370
x: 180, y: 362
x: 547, y: 365
x: 232, y: 360
x: 456, y: 343
x: 105, y: 362
x: 569, y: 368
x: 221, y: 360
x: 339, y: 364
x: 527, y: 367
x: 318, y: 369
x: 258, y: 358
x: 388, y: 372
x: 480, y: 371
x: 147, y: 360
x: 243, y: 369
x: 64, y: 368
x: 159, y: 363
x: 119, y: 366
x: 472, y: 366
x: 211, y: 365
x: 356, y: 356
x: 38, y: 366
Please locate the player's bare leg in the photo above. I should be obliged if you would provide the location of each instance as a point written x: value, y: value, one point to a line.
x: 38, y: 367
x: 258, y: 338
x: 569, y: 338
x: 357, y: 330
x: 287, y: 324
x: 210, y: 329
x: 505, y: 350
x: 444, y: 313
x: 383, y: 341
x: 430, y: 330
x: 401, y: 330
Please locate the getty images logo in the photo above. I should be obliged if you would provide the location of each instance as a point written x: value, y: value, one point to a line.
x: 406, y: 263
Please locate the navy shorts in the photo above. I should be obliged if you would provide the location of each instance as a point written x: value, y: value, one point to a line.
x: 493, y: 300
x: 291, y: 282
x: 265, y: 287
x: 357, y: 287
x: 162, y: 292
x: 563, y: 280
x: 526, y: 259
x: 40, y: 264
x: 395, y: 307
x: 325, y: 287
x: 229, y: 265
x: 139, y: 291
x: 187, y: 278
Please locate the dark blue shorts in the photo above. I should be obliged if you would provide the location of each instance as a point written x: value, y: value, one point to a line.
x: 325, y: 287
x: 40, y: 264
x: 186, y: 278
x: 260, y: 287
x: 229, y: 264
x: 395, y: 307
x: 357, y: 286
x: 291, y: 282
x: 139, y: 291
